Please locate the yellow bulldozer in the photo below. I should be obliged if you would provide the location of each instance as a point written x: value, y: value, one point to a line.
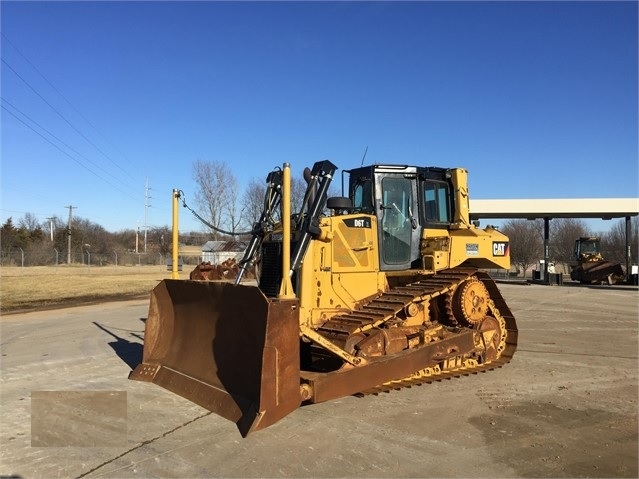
x: 376, y: 290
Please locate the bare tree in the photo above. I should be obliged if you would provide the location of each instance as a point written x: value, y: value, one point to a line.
x: 613, y: 243
x: 85, y: 232
x: 233, y: 209
x: 526, y: 242
x: 213, y: 197
x: 159, y: 239
x: 29, y: 222
x: 124, y: 240
x: 563, y: 233
x: 253, y: 200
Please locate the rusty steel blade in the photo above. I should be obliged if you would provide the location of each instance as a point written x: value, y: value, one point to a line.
x: 225, y: 347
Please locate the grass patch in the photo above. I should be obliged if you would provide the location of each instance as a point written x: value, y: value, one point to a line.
x: 40, y: 287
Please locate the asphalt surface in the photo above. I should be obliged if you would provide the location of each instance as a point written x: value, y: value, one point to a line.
x: 566, y: 406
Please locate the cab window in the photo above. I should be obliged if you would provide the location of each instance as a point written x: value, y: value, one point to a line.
x: 362, y: 196
x: 436, y: 204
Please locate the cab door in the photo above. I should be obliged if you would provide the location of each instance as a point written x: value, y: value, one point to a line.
x: 398, y: 232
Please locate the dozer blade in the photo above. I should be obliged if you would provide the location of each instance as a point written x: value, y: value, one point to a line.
x: 225, y: 347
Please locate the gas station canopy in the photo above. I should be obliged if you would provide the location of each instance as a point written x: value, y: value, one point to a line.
x: 604, y: 208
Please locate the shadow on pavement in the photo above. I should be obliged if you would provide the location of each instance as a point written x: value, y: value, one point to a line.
x: 127, y: 351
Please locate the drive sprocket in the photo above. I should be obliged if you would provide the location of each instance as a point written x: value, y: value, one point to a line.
x: 469, y: 302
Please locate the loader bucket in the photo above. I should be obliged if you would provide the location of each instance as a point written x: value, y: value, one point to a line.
x: 225, y: 347
x: 598, y: 271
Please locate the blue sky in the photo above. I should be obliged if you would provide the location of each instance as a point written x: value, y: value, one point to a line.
x: 535, y: 99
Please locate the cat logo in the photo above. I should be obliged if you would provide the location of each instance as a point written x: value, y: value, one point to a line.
x: 500, y: 248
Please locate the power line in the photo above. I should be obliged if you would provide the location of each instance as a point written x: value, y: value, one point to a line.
x: 24, y: 212
x: 67, y: 154
x: 61, y: 141
x: 9, y: 185
x: 70, y: 104
x: 55, y: 110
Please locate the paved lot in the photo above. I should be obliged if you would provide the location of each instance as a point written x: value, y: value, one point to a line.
x: 566, y: 406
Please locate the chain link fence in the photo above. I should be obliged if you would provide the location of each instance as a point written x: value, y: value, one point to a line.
x: 54, y: 258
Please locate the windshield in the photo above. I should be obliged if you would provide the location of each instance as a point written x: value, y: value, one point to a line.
x: 589, y: 247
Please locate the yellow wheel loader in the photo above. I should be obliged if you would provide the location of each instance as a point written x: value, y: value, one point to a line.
x: 590, y: 267
x: 374, y: 291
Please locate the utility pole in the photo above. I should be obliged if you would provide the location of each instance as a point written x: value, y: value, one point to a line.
x: 137, y: 237
x: 69, y: 232
x: 51, y: 227
x: 146, y: 210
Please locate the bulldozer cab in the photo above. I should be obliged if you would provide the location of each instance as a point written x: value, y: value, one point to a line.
x: 405, y: 200
x: 587, y: 247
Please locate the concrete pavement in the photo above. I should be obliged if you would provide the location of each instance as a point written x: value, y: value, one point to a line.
x: 566, y: 406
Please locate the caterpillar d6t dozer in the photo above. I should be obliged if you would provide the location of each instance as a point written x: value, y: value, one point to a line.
x: 359, y: 294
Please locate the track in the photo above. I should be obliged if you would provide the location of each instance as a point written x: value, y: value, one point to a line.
x: 391, y: 305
